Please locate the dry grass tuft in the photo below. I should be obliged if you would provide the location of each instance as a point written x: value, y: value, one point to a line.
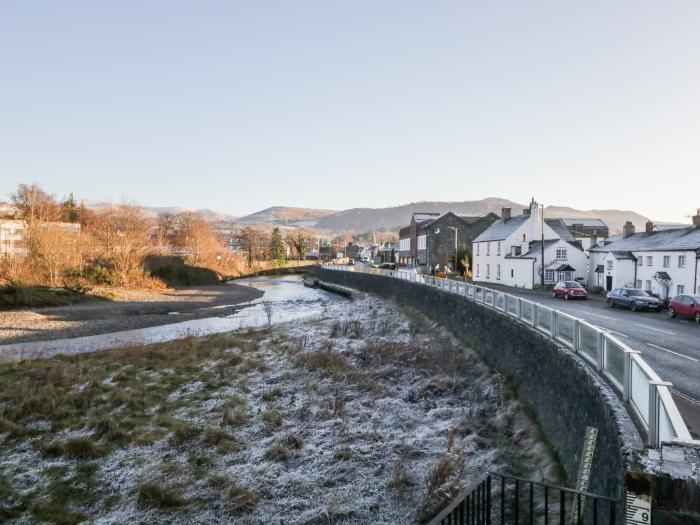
x: 158, y: 496
x: 242, y: 499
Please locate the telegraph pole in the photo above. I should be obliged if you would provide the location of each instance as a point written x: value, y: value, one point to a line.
x: 542, y: 243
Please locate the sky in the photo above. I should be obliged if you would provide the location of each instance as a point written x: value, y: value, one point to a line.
x: 238, y: 106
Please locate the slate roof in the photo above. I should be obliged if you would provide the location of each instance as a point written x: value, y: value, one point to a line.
x: 687, y: 238
x: 662, y: 276
x: 624, y: 256
x: 500, y: 230
x: 592, y: 223
x: 559, y: 227
x: 425, y: 216
x: 566, y: 268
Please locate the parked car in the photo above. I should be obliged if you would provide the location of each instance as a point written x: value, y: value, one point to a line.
x: 569, y: 290
x: 387, y: 266
x: 685, y: 306
x: 634, y: 299
x: 351, y: 262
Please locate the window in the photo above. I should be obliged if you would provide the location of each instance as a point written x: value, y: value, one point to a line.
x: 681, y: 261
x: 488, y: 271
x: 610, y: 264
x: 680, y: 289
x: 650, y: 260
x: 498, y: 248
x: 561, y: 254
x: 498, y: 271
x: 549, y: 276
x: 477, y: 269
x: 422, y: 242
x: 488, y: 248
x: 477, y: 247
x: 512, y: 273
x: 640, y: 261
x: 667, y: 261
x: 638, y: 283
x: 647, y: 286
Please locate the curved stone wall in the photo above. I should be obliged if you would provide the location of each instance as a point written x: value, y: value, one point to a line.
x: 562, y: 392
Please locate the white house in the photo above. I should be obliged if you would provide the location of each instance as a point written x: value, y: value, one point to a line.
x: 511, y: 251
x: 664, y: 262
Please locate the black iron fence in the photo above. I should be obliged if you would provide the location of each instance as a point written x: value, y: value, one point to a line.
x: 496, y: 498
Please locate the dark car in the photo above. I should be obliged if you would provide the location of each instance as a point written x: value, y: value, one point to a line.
x: 634, y: 299
x: 685, y: 306
x: 569, y: 290
x: 387, y: 266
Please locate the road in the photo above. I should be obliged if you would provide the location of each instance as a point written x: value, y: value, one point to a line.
x: 670, y: 346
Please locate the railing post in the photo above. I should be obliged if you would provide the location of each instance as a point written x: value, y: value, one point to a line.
x: 555, y: 320
x: 654, y: 435
x: 577, y: 336
x: 627, y: 374
x: 600, y: 342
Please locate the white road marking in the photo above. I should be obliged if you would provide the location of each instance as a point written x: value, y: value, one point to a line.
x: 655, y: 329
x: 614, y: 332
x: 674, y: 353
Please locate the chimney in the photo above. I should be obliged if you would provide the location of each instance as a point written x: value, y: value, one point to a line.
x: 696, y: 218
x: 525, y: 245
x: 505, y: 214
x: 649, y: 227
x: 594, y: 240
x: 627, y: 229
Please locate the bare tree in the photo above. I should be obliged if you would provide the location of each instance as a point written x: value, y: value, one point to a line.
x: 34, y: 204
x: 199, y: 239
x: 123, y: 236
x: 52, y: 252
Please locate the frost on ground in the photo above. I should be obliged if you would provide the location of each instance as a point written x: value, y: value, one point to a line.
x: 364, y: 415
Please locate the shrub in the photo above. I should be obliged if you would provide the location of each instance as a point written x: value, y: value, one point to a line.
x: 154, y: 495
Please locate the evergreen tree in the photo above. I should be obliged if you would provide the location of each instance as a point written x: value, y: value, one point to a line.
x: 277, y: 249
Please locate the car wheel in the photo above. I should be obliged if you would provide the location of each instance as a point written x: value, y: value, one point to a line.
x: 671, y: 313
x: 554, y: 294
x: 611, y: 304
x: 566, y: 296
x: 697, y: 317
x: 633, y: 307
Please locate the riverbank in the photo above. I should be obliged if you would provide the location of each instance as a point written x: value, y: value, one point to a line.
x: 360, y: 414
x: 125, y: 310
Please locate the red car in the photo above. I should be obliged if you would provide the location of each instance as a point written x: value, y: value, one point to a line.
x: 685, y: 306
x: 569, y: 290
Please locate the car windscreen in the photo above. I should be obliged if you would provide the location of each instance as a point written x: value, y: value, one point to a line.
x: 572, y: 284
x: 637, y: 293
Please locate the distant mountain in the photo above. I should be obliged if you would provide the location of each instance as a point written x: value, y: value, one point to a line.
x: 154, y: 211
x: 286, y: 216
x: 366, y: 219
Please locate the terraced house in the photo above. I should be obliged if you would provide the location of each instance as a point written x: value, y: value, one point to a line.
x: 519, y: 250
x: 664, y: 262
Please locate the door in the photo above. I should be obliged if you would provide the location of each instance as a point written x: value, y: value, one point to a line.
x: 608, y: 282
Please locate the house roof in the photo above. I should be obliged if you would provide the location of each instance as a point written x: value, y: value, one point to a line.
x: 559, y: 227
x: 687, y: 238
x: 425, y: 216
x: 587, y: 222
x: 500, y: 230
x: 466, y: 219
x: 566, y: 268
x: 624, y: 256
x: 662, y: 276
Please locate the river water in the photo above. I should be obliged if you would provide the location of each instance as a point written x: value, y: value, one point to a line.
x: 285, y: 299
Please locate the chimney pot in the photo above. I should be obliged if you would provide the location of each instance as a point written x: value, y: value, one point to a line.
x: 505, y: 214
x: 696, y: 218
x: 649, y: 227
x: 627, y: 230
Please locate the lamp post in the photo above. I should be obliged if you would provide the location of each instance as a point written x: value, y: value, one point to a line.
x: 542, y: 242
x: 455, y: 229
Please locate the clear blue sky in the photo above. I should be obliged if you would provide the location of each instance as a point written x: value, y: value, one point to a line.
x: 238, y: 106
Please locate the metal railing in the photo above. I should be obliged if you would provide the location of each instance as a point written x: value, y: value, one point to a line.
x: 496, y: 498
x: 641, y: 389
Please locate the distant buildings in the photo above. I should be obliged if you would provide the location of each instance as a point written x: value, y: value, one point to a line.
x: 13, y: 234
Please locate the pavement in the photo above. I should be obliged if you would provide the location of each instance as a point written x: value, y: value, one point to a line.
x: 670, y: 346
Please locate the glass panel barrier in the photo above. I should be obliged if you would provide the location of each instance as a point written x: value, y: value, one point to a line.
x: 565, y: 329
x: 479, y: 294
x: 512, y: 305
x: 488, y: 296
x: 527, y: 311
x: 588, y: 342
x: 614, y: 361
x: 500, y: 301
x: 544, y: 318
x: 639, y: 390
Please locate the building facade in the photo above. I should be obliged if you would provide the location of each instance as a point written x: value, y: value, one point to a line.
x: 440, y: 239
x: 664, y: 262
x: 408, y: 238
x: 522, y: 250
